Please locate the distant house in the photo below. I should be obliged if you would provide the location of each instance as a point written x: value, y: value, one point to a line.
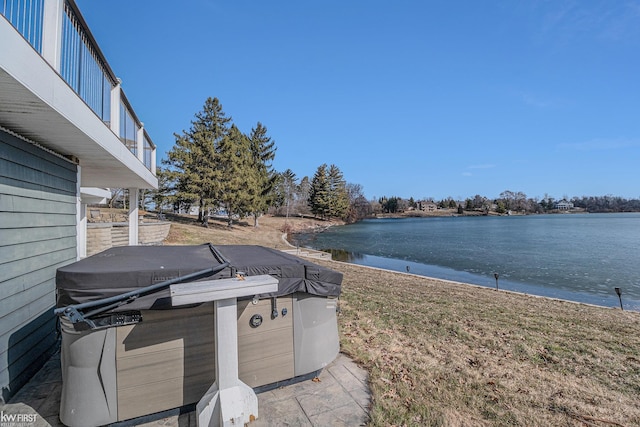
x: 427, y: 206
x: 563, y: 205
x: 67, y: 134
x: 187, y: 209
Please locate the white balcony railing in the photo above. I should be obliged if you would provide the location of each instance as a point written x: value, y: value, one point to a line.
x: 58, y: 32
x: 83, y: 67
x: 26, y: 17
x: 129, y: 126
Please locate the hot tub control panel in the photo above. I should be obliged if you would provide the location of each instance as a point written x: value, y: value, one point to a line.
x: 118, y: 319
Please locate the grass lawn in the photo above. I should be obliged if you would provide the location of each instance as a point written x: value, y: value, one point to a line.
x: 455, y: 355
x: 447, y: 354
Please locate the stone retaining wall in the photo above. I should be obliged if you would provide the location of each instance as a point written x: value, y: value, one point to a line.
x: 105, y: 235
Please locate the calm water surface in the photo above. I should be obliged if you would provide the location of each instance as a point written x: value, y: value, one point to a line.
x: 578, y: 257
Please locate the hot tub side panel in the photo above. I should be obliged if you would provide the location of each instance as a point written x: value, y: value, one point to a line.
x: 315, y: 332
x: 265, y: 352
x: 166, y: 361
x: 88, y: 364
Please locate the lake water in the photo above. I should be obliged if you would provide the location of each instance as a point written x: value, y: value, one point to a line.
x: 577, y: 257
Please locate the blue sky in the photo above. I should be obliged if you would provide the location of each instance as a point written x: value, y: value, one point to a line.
x: 408, y: 98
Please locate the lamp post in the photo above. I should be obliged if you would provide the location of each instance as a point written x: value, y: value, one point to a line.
x: 496, y: 275
x: 619, y: 292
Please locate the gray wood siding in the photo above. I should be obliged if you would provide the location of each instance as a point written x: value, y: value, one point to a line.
x: 37, y: 236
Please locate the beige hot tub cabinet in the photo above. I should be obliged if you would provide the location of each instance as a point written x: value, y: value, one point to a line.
x: 131, y: 356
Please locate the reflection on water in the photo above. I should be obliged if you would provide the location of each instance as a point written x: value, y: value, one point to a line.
x: 576, y: 257
x: 344, y: 256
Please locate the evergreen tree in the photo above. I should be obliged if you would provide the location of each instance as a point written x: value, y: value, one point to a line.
x: 277, y: 197
x: 288, y: 180
x: 164, y: 195
x: 319, y: 200
x: 468, y: 204
x: 238, y: 183
x: 302, y: 192
x: 263, y: 152
x: 391, y: 204
x: 338, y: 196
x: 328, y: 196
x: 193, y: 159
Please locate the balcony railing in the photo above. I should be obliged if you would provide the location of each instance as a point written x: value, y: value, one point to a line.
x: 149, y: 157
x: 80, y: 62
x: 129, y: 126
x: 83, y: 67
x: 26, y: 16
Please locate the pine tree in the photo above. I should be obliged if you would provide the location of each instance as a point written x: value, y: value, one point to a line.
x: 193, y: 158
x: 238, y: 184
x: 328, y: 195
x: 288, y: 180
x: 302, y: 196
x: 338, y: 196
x: 164, y: 195
x: 319, y: 192
x: 263, y: 152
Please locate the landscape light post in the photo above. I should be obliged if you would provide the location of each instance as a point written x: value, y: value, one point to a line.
x: 496, y: 275
x: 619, y: 292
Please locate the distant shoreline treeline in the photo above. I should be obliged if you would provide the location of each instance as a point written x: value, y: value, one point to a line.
x: 216, y: 167
x: 510, y: 202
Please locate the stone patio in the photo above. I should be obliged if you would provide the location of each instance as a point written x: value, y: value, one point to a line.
x: 338, y: 397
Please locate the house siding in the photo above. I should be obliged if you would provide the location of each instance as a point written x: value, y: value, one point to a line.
x: 37, y: 235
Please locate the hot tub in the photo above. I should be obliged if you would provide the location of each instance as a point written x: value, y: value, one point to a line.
x: 131, y: 356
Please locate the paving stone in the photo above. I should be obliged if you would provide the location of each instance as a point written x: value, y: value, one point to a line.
x: 173, y: 420
x: 305, y: 387
x: 270, y: 396
x: 341, y: 397
x: 50, y: 407
x: 362, y: 397
x: 327, y: 400
x: 357, y: 371
x: 281, y: 413
x: 54, y: 421
x: 51, y: 372
x: 348, y: 416
x: 21, y: 414
x: 347, y: 379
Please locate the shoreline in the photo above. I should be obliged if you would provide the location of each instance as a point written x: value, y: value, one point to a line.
x: 469, y: 353
x: 507, y: 291
x: 451, y: 353
x: 472, y: 285
x: 273, y: 230
x: 612, y: 305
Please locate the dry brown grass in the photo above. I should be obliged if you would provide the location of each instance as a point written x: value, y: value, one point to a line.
x: 447, y: 354
x: 270, y: 231
x: 451, y: 354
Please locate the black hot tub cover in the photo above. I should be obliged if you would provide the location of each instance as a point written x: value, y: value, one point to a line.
x: 128, y: 268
